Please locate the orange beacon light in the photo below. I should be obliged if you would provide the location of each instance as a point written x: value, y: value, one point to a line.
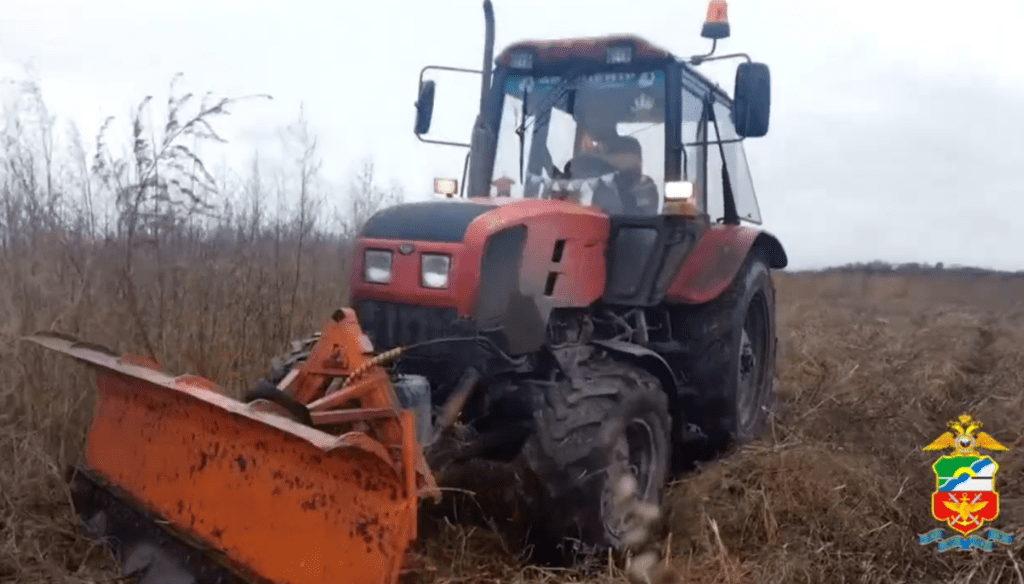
x: 716, y: 25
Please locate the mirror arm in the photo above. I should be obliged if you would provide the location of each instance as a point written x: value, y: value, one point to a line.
x: 442, y: 142
x: 444, y: 68
x: 698, y: 59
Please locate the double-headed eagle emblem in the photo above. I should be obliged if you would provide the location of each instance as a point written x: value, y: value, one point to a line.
x: 966, y: 439
x: 965, y: 496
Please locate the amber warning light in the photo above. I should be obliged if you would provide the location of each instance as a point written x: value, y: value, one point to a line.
x: 446, y: 187
x: 716, y: 25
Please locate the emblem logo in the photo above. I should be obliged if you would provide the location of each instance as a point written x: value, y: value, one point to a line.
x: 643, y: 103
x: 965, y: 496
x: 406, y: 248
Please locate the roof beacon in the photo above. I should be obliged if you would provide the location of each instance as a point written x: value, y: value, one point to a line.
x: 716, y: 25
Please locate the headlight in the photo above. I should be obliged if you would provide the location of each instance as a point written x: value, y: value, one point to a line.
x: 620, y: 55
x: 434, y: 270
x: 377, y: 266
x: 521, y: 60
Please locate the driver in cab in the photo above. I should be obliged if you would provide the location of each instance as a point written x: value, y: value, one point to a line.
x: 633, y: 193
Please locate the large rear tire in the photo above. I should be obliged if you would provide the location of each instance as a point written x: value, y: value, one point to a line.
x: 613, y: 419
x: 733, y: 367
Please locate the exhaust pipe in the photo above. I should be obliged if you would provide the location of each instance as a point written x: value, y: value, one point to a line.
x: 485, y: 81
x: 477, y: 183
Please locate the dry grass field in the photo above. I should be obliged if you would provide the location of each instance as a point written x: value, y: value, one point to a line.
x: 872, y: 368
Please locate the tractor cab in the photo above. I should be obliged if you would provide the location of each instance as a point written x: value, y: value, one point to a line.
x: 615, y: 123
x: 597, y: 140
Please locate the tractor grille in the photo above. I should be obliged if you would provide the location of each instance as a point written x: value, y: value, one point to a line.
x: 390, y: 324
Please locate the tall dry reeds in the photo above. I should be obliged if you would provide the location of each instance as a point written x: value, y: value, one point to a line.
x: 149, y: 252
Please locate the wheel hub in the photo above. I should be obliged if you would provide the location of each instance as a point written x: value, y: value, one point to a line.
x: 746, y: 382
x: 750, y: 370
x: 633, y: 457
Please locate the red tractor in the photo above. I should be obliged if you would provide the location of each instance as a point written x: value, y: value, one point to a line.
x: 591, y: 310
x: 595, y: 273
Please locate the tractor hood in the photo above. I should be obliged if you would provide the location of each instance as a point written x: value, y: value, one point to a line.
x: 457, y: 221
x: 434, y: 221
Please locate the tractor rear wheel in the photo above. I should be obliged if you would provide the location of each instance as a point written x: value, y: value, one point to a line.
x: 733, y: 367
x: 613, y: 419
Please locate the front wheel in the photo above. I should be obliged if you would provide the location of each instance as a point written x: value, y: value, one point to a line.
x: 611, y: 422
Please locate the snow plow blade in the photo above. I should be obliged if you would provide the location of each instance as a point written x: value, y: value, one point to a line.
x: 190, y: 485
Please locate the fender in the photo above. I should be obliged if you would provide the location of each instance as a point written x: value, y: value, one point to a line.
x: 716, y: 259
x: 649, y: 360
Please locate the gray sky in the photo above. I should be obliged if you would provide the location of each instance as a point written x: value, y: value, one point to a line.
x: 872, y: 153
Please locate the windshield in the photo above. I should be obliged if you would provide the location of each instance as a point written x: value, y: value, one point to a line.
x: 595, y: 140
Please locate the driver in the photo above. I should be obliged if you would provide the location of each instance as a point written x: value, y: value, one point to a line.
x: 637, y: 193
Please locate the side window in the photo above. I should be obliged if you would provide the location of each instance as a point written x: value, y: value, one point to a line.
x: 739, y: 173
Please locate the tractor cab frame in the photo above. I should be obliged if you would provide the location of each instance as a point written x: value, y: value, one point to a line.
x: 571, y: 118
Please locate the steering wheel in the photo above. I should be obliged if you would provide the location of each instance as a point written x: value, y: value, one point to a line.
x: 588, y: 166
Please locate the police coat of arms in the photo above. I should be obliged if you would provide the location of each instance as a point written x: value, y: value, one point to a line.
x: 965, y: 496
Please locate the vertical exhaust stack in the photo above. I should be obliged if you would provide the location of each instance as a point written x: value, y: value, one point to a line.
x: 477, y: 183
x: 485, y: 81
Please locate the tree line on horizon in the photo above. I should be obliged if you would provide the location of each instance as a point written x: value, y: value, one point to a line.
x: 910, y: 268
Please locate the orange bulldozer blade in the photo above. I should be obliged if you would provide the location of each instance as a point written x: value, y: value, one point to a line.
x: 194, y: 486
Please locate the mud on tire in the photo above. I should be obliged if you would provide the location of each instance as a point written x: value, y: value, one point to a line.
x: 570, y: 457
x: 733, y: 368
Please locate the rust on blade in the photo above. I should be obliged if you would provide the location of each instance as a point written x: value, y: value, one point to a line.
x: 281, y: 500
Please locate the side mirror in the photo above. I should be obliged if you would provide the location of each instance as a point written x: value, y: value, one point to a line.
x: 424, y: 108
x: 752, y: 100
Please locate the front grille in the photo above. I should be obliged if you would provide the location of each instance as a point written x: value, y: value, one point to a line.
x: 390, y: 324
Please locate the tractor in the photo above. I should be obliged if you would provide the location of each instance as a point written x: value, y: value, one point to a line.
x: 585, y: 310
x: 593, y: 272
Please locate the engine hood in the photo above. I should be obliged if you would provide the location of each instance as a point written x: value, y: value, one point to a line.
x: 434, y: 221
x: 449, y: 221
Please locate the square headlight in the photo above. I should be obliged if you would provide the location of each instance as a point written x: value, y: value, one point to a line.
x: 521, y: 60
x: 434, y: 270
x: 620, y: 54
x: 377, y: 266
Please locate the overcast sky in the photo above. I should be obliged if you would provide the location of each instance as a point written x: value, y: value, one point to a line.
x: 897, y: 129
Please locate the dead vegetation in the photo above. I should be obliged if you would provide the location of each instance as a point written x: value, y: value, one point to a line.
x: 872, y: 368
